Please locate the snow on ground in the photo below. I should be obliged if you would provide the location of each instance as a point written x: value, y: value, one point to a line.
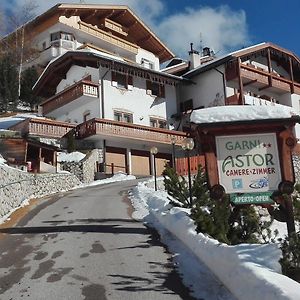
x: 117, y: 177
x: 70, y: 157
x: 6, y: 122
x: 2, y: 160
x: 241, y: 113
x: 249, y: 271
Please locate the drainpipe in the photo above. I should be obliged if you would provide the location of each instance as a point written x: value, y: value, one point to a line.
x: 102, y: 110
x: 224, y: 84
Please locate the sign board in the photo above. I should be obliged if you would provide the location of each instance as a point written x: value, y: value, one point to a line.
x: 251, y: 198
x: 248, y: 163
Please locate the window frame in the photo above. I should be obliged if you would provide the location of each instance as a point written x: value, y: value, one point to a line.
x: 157, y: 121
x: 127, y: 80
x: 153, y: 87
x: 122, y: 116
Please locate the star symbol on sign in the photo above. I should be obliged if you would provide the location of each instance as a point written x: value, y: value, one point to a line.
x: 276, y: 206
x: 269, y: 145
x: 264, y: 145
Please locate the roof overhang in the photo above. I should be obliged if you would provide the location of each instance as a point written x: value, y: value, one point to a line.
x: 58, y: 68
x: 138, y: 32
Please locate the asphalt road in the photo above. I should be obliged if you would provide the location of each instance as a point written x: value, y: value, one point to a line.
x: 85, y: 245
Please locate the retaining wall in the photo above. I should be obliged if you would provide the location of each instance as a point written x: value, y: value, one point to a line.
x: 16, y: 186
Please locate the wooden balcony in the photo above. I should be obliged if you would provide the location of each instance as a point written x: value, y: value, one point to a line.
x: 262, y: 79
x: 108, y: 37
x: 43, y: 128
x: 109, y: 128
x: 82, y: 88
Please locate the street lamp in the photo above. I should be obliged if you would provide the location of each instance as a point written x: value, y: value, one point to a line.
x: 188, y: 145
x: 154, y: 151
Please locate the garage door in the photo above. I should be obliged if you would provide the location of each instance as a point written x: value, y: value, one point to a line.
x: 140, y: 162
x: 161, y: 160
x: 117, y: 157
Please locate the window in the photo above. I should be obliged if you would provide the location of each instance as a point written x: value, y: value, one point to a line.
x: 155, y: 89
x: 147, y: 64
x: 158, y: 123
x: 61, y: 36
x: 122, y: 81
x: 86, y: 116
x: 123, y: 117
x: 186, y: 105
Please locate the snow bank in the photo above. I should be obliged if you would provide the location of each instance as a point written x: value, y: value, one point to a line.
x: 241, y: 113
x: 249, y: 271
x: 117, y: 177
x: 70, y: 157
x: 2, y: 160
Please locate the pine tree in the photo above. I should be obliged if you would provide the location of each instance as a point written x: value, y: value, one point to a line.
x: 29, y: 77
x: 176, y: 186
x: 8, y: 84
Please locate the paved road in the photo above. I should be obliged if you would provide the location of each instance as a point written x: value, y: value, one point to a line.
x: 84, y: 245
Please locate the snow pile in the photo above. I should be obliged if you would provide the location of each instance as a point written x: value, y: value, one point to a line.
x: 70, y: 157
x: 249, y: 271
x: 230, y: 113
x: 2, y: 160
x: 117, y: 177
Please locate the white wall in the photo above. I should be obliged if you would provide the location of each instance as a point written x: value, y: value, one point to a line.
x: 135, y: 101
x: 142, y: 53
x: 207, y: 91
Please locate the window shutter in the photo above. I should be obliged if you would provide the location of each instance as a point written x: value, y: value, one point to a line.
x: 129, y: 82
x: 162, y: 92
x: 149, y: 87
x: 114, y: 79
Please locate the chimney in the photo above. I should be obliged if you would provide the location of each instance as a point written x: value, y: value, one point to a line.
x: 194, y: 58
x: 207, y: 55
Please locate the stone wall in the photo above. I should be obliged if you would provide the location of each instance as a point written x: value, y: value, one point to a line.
x: 85, y: 169
x: 296, y: 162
x: 16, y: 186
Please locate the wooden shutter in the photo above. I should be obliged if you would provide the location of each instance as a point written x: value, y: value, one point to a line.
x: 149, y: 87
x: 114, y: 79
x: 162, y: 92
x: 129, y: 82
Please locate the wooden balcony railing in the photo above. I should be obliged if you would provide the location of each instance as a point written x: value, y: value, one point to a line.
x: 262, y: 76
x: 105, y: 127
x: 43, y: 128
x: 108, y: 37
x: 82, y: 88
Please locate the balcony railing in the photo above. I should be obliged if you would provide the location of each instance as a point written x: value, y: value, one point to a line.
x: 103, y: 127
x: 82, y: 88
x: 43, y: 128
x: 263, y: 77
x: 107, y: 37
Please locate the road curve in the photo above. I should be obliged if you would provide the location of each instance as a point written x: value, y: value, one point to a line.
x: 84, y: 245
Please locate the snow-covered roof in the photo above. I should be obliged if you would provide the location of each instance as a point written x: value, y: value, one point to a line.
x: 70, y: 157
x: 230, y: 113
x: 6, y: 122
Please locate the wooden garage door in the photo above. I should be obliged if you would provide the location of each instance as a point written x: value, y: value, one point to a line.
x: 140, y: 162
x: 161, y: 160
x: 117, y: 156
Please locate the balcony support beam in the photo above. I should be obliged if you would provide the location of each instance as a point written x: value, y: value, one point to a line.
x: 269, y: 67
x: 240, y: 82
x: 292, y: 75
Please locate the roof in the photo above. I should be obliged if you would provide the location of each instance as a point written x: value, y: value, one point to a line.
x: 239, y: 54
x: 138, y: 32
x: 57, y: 69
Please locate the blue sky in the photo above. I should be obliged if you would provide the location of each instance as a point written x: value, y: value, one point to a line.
x: 221, y: 25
